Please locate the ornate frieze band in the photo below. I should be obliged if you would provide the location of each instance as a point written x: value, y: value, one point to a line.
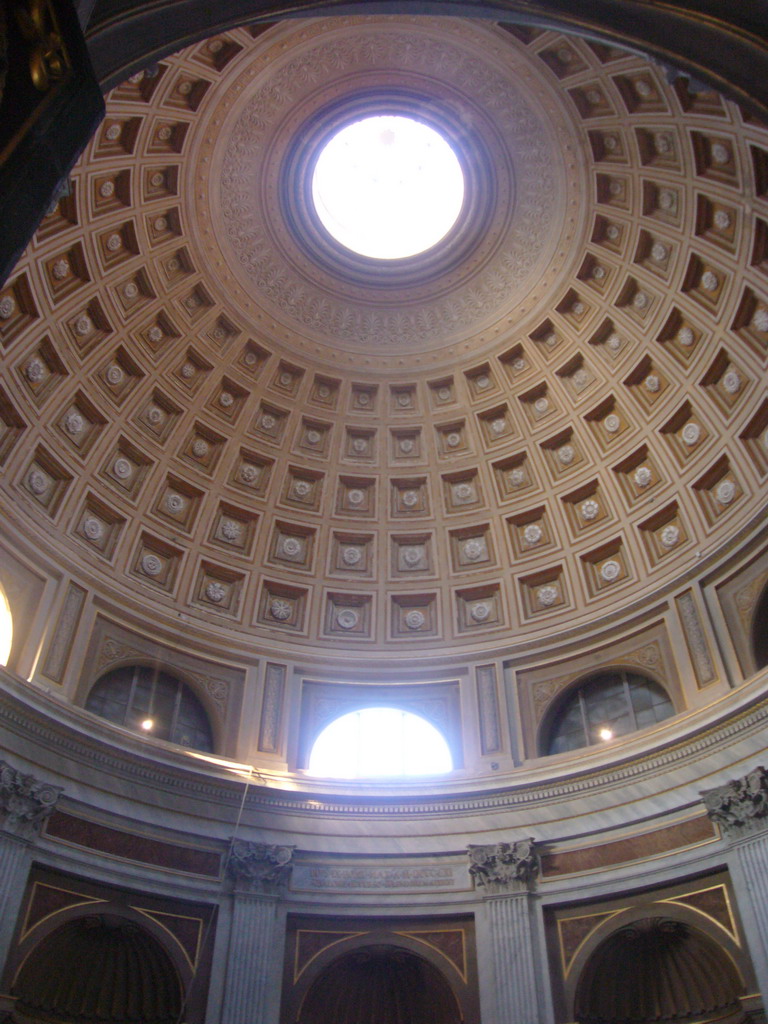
x: 25, y: 802
x: 504, y: 867
x: 741, y: 805
x: 259, y: 867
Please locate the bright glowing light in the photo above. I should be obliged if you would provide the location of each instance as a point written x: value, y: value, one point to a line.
x: 388, y: 187
x: 605, y: 733
x: 6, y: 629
x: 379, y: 742
x: 148, y: 724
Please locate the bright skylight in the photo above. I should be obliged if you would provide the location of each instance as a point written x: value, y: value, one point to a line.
x: 6, y: 629
x: 388, y: 187
x: 379, y: 742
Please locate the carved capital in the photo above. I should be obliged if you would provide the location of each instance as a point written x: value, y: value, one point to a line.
x: 25, y: 802
x: 259, y: 867
x: 504, y: 867
x: 741, y: 805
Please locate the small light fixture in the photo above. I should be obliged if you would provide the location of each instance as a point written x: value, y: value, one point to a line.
x: 148, y: 724
x: 605, y: 733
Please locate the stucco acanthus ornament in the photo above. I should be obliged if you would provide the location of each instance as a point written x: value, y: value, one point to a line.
x: 113, y: 132
x: 415, y: 619
x: 480, y: 611
x: 301, y: 488
x: 38, y: 482
x: 725, y: 492
x: 517, y: 478
x: 83, y: 325
x: 720, y: 153
x: 410, y: 499
x: 590, y: 509
x: 659, y: 252
x: 155, y: 415
x: 93, y: 528
x: 474, y: 548
x: 60, y: 270
x: 200, y: 448
x: 351, y: 556
x: 453, y: 440
x: 685, y: 336
x: 406, y: 445
x: 260, y: 867
x: 642, y: 476
x: 652, y: 383
x: 122, y: 468
x: 412, y: 556
x: 640, y: 300
x: 667, y: 200
x: 741, y: 805
x: 504, y: 867
x: 115, y: 374
x: 732, y: 382
x: 610, y: 570
x: 230, y: 530
x: 613, y: 342
x: 131, y: 290
x: 280, y: 609
x: 709, y: 281
x: 25, y: 802
x: 566, y: 454
x: 107, y: 189
x: 547, y: 596
x: 215, y: 591
x: 722, y: 220
x: 151, y: 565
x: 347, y: 618
x: 292, y: 547
x: 612, y: 423
x: 7, y: 307
x: 74, y: 423
x: 760, y: 319
x: 532, y: 534
x: 612, y: 232
x: 355, y: 496
x: 34, y: 371
x: 114, y: 242
x: 691, y: 434
x: 175, y: 503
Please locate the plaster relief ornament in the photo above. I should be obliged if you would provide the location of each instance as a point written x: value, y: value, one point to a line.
x: 93, y: 528
x: 415, y: 619
x: 610, y: 570
x: 286, y: 379
x: 7, y: 307
x: 404, y: 400
x: 725, y: 492
x: 541, y: 405
x: 613, y: 342
x: 760, y: 319
x: 301, y: 488
x: 35, y: 370
x: 691, y: 434
x: 359, y: 445
x: 590, y: 509
x: 25, y: 802
x: 483, y: 382
x: 732, y: 382
x: 280, y: 609
x: 578, y: 308
x: 612, y: 232
x: 663, y: 143
x: 38, y: 482
x: 547, y: 596
x: 410, y: 499
x: 594, y: 97
x: 566, y: 454
x: 112, y: 132
x: 323, y: 391
x: 226, y: 400
x: 215, y: 591
x: 640, y: 300
x: 292, y: 547
x: 412, y: 556
x: 259, y: 867
x: 314, y: 437
x: 363, y: 398
x: 184, y: 88
x: 611, y: 143
x: 406, y: 445
x: 114, y: 242
x: 444, y: 394
x: 83, y: 325
x: 709, y: 281
x: 188, y: 371
x: 498, y: 426
x: 114, y: 374
x: 151, y: 565
x: 642, y: 476
x: 200, y: 448
x: 516, y: 477
x: 351, y: 556
x: 480, y: 611
x: 612, y: 423
x: 453, y: 440
x: 474, y: 549
x: 722, y: 220
x: 155, y: 415
x: 249, y: 473
x: 230, y: 530
x: 739, y: 806
x: 598, y: 272
x: 532, y: 534
x: 504, y: 866
x: 157, y: 180
x: 175, y: 503
x: 463, y: 492
x: 355, y: 496
x: 518, y: 365
x: 685, y: 336
x: 670, y: 536
x: 131, y: 290
x: 164, y: 132
x: 60, y: 270
x: 720, y: 153
x: 652, y: 383
x: 122, y: 468
x: 580, y: 378
x: 268, y: 421
x: 74, y: 423
x: 347, y: 618
x: 659, y: 252
x: 643, y: 88
x: 107, y: 188
x: 667, y: 199
x: 616, y: 188
x: 160, y: 224
x: 155, y: 334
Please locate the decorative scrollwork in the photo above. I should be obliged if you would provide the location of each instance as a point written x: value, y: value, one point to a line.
x: 740, y: 805
x: 25, y: 802
x: 504, y: 866
x: 260, y: 867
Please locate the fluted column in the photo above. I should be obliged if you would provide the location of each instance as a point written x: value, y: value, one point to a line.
x: 25, y: 803
x: 505, y: 874
x: 740, y: 808
x: 259, y: 875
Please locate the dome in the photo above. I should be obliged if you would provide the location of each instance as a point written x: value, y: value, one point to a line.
x: 254, y: 481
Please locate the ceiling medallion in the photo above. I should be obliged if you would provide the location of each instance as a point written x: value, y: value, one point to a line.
x: 259, y: 141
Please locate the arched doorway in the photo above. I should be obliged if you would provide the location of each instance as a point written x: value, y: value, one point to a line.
x: 380, y: 985
x: 658, y: 969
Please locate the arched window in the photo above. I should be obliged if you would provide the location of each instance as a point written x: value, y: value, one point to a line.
x: 760, y: 631
x: 152, y: 702
x: 6, y: 628
x: 604, y: 706
x: 379, y: 742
